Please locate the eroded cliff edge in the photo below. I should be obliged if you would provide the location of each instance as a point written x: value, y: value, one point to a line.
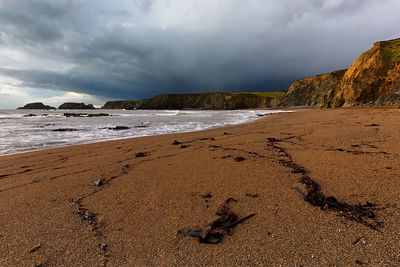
x: 373, y: 79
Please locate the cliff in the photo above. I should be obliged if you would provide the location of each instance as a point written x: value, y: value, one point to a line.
x: 373, y: 79
x: 373, y: 75
x: 312, y: 91
x: 71, y: 105
x: 37, y: 105
x: 212, y: 101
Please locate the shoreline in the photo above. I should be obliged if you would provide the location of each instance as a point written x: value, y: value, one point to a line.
x: 276, y: 111
x: 152, y: 187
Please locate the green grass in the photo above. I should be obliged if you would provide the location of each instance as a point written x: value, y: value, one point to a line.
x: 391, y: 51
x: 266, y: 94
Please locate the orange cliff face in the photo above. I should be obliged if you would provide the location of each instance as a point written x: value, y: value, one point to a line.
x: 372, y: 75
x: 373, y: 79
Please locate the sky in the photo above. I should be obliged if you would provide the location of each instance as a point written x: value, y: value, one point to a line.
x: 91, y: 51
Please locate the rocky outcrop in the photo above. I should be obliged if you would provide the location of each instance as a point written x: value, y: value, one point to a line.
x: 312, y: 91
x: 373, y: 79
x: 85, y: 115
x: 71, y: 105
x: 211, y: 101
x: 37, y: 105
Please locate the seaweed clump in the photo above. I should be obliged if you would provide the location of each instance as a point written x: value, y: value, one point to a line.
x: 215, y: 231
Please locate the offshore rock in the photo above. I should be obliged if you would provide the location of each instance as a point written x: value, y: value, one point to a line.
x: 71, y: 105
x: 37, y: 105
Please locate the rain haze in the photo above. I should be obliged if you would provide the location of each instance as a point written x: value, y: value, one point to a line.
x: 92, y: 51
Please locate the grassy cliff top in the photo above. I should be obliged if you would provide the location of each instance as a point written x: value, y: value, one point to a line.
x: 336, y: 74
x: 390, y: 50
x: 265, y: 94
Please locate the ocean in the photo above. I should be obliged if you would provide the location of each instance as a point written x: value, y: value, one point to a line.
x: 28, y: 130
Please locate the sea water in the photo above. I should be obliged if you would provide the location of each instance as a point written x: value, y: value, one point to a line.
x: 27, y: 130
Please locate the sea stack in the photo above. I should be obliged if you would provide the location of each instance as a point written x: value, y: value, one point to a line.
x: 72, y: 105
x: 36, y: 105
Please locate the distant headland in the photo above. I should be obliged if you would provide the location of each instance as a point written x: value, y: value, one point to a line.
x: 210, y: 101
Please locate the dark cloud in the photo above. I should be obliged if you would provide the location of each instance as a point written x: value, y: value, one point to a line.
x: 135, y: 49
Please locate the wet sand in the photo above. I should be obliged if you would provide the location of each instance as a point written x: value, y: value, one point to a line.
x: 47, y: 197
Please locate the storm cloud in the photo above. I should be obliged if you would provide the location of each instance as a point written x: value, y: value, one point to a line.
x: 125, y: 49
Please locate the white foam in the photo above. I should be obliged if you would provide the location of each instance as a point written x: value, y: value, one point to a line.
x: 31, y: 133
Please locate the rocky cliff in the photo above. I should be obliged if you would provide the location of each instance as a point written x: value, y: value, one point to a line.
x: 213, y: 101
x: 37, y: 105
x: 71, y: 105
x: 312, y: 91
x: 373, y: 79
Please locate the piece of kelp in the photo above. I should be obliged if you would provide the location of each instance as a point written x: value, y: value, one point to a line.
x: 215, y: 231
x: 142, y: 154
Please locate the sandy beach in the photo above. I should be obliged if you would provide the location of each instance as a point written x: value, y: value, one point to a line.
x: 122, y: 203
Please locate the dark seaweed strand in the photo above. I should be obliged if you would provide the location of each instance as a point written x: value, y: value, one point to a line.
x: 363, y: 214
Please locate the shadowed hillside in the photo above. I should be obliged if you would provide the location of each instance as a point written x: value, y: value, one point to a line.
x: 212, y: 101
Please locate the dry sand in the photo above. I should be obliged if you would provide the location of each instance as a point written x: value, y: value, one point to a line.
x: 353, y: 154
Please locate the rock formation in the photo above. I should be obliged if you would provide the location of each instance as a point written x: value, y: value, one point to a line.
x: 37, y: 105
x: 71, y: 105
x: 313, y: 91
